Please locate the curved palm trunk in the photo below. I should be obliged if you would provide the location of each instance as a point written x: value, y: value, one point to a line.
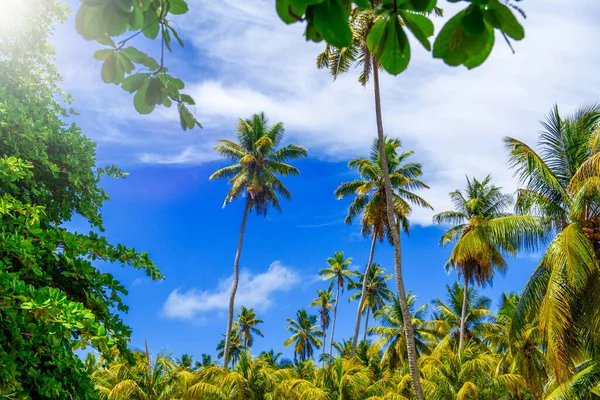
x: 463, y: 316
x: 389, y: 196
x: 337, y: 297
x: 363, y: 294
x: 366, y: 324
x: 236, y: 265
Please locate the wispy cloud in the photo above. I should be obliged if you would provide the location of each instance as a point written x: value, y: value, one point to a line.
x: 254, y: 290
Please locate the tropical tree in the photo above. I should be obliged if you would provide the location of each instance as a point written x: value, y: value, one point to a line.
x: 391, y: 331
x: 305, y: 335
x: 449, y: 313
x: 561, y: 182
x: 339, y: 61
x: 341, y: 276
x: 258, y: 160
x: 376, y: 293
x: 483, y: 231
x: 369, y: 200
x: 246, y: 326
x: 234, y: 349
x: 345, y: 379
x: 325, y: 303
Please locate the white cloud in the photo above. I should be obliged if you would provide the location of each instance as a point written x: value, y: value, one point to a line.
x: 254, y: 290
x: 249, y: 61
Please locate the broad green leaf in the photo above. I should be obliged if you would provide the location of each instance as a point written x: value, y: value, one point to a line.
x: 139, y: 100
x: 88, y: 22
x: 133, y: 82
x: 135, y: 55
x: 389, y: 43
x: 304, y: 3
x: 420, y: 26
x: 127, y: 6
x: 283, y: 10
x: 115, y: 20
x: 479, y: 59
x: 331, y: 21
x: 178, y: 7
x: 109, y: 69
x: 176, y: 83
x: 151, y: 25
x: 472, y: 22
x: 445, y: 42
x: 474, y: 45
x: 154, y: 91
x: 419, y: 5
x: 136, y: 19
x: 187, y: 99
x: 508, y: 21
x: 175, y: 35
x: 363, y: 4
x: 103, y: 54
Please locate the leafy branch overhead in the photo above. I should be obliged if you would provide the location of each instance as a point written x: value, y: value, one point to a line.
x: 466, y: 39
x: 135, y: 71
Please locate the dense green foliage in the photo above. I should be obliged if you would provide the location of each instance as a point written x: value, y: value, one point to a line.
x: 53, y: 298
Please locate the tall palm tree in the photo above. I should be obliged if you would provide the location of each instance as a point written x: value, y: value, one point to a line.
x: 561, y: 182
x: 369, y: 199
x: 340, y: 61
x: 376, y: 293
x: 305, y: 335
x: 449, y: 313
x: 483, y: 231
x: 258, y: 160
x: 391, y: 331
x: 325, y: 303
x: 341, y: 276
x: 246, y: 326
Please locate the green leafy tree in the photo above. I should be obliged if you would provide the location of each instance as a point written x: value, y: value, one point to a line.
x: 561, y: 183
x: 341, y: 276
x: 377, y: 293
x: 258, y: 160
x: 369, y: 199
x: 53, y: 298
x: 246, y: 326
x: 305, y: 335
x: 325, y: 304
x: 483, y: 231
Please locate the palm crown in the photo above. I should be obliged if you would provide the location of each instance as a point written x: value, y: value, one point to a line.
x: 246, y: 326
x: 305, y: 332
x: 258, y: 160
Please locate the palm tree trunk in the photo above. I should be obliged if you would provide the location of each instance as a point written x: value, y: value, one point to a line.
x: 389, y: 197
x: 366, y: 324
x: 236, y: 265
x: 363, y: 295
x: 463, y: 316
x: 324, y: 345
x: 337, y: 297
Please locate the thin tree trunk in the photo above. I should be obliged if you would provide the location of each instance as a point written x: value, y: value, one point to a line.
x: 363, y: 295
x: 236, y: 265
x: 324, y: 345
x: 463, y: 316
x: 337, y: 297
x: 389, y: 196
x: 366, y: 324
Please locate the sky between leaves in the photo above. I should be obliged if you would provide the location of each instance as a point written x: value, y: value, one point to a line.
x: 240, y: 59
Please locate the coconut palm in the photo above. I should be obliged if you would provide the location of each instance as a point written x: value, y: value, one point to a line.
x: 345, y: 379
x: 341, y: 276
x: 449, y: 313
x: 368, y: 194
x: 305, y: 335
x: 258, y: 160
x: 325, y: 303
x: 561, y: 182
x: 246, y: 326
x: 143, y: 379
x: 340, y: 61
x: 236, y: 347
x: 376, y: 292
x: 391, y: 331
x: 483, y: 231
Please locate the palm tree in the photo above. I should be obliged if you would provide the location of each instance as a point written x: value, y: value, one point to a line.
x: 483, y: 230
x: 235, y: 347
x: 450, y: 312
x: 345, y: 379
x: 258, y: 159
x: 325, y: 303
x: 392, y: 331
x: 339, y: 274
x: 376, y: 292
x: 369, y: 199
x: 340, y: 61
x: 305, y: 332
x: 246, y: 326
x: 561, y: 183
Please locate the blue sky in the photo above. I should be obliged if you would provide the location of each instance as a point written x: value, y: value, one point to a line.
x: 240, y: 59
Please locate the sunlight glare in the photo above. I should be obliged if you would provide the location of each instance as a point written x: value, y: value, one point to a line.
x: 14, y: 17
